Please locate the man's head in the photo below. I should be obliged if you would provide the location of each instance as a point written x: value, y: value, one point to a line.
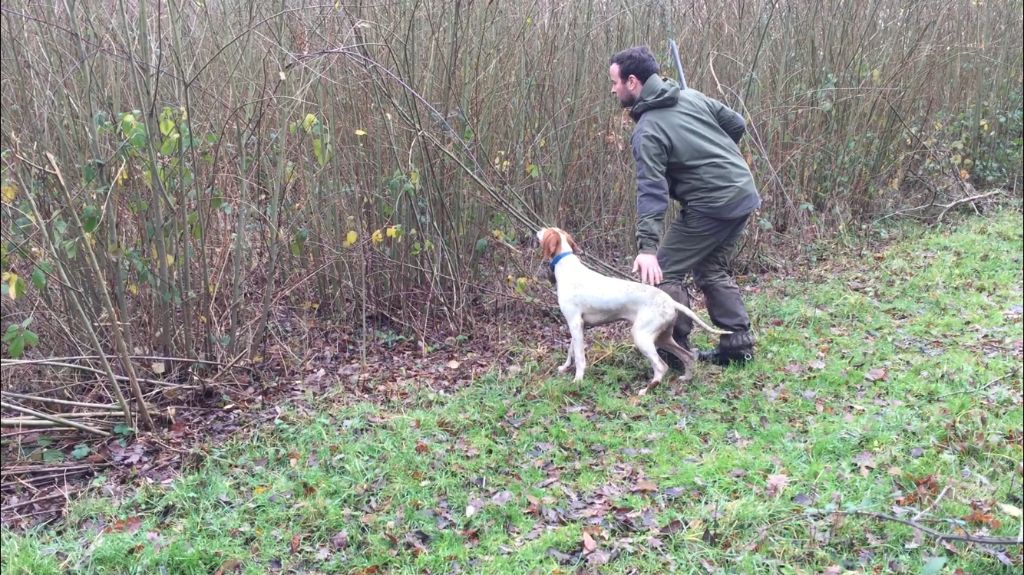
x: 628, y: 71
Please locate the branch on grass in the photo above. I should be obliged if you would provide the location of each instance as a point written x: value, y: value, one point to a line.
x: 955, y: 203
x: 936, y: 534
x: 26, y: 503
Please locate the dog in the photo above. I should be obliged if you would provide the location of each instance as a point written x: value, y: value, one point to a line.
x: 588, y: 298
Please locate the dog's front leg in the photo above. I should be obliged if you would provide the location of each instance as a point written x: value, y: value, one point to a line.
x: 576, y: 348
x: 568, y: 360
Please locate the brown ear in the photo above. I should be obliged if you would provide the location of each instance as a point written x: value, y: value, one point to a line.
x: 550, y: 243
x: 572, y: 243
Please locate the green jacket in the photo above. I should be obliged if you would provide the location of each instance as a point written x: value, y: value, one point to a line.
x: 685, y: 146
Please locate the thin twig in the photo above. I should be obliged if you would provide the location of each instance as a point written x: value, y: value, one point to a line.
x: 976, y: 389
x: 49, y: 468
x: 142, y: 357
x: 933, y: 504
x: 60, y: 401
x: 936, y: 534
x: 62, y: 494
x: 55, y: 419
x: 116, y: 377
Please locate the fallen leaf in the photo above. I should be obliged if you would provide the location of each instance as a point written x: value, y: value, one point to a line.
x: 501, y: 497
x: 453, y: 364
x: 876, y: 374
x: 644, y: 486
x: 589, y: 545
x: 129, y: 525
x: 340, y: 540
x: 1011, y: 510
x: 933, y: 566
x: 296, y: 543
x: 816, y: 364
x: 776, y: 484
x: 229, y: 566
x: 865, y: 460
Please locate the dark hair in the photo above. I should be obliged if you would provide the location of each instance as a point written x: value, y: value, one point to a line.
x: 636, y: 61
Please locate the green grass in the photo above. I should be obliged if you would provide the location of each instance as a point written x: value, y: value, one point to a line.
x: 506, y: 475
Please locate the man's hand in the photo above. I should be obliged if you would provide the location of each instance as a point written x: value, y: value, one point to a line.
x: 649, y: 268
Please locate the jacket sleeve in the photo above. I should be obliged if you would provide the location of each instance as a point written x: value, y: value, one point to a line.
x: 651, y: 155
x: 731, y: 122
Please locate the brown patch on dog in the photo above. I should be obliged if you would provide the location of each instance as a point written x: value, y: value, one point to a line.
x: 550, y: 243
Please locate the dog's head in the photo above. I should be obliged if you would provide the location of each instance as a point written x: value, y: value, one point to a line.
x: 551, y: 241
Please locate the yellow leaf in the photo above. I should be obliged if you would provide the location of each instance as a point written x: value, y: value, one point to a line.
x: 12, y: 284
x: 259, y: 489
x: 8, y: 193
x: 414, y: 178
x: 351, y: 238
x: 308, y: 122
x: 965, y: 175
x: 360, y: 132
x: 391, y: 232
x: 170, y: 260
x: 377, y: 237
x: 133, y: 289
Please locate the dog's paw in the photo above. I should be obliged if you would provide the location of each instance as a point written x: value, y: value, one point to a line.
x: 563, y: 368
x: 686, y: 376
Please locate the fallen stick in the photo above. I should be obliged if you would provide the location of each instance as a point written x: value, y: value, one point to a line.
x: 55, y: 419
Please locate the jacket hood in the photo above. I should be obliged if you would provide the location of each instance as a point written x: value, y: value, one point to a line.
x: 657, y: 92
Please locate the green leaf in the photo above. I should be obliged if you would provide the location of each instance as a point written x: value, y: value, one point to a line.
x: 38, y: 278
x: 166, y: 124
x: 933, y: 566
x: 53, y: 456
x: 88, y: 172
x: 481, y: 245
x: 298, y: 241
x: 81, y: 451
x: 90, y: 218
x: 318, y: 152
x: 123, y: 430
x: 70, y: 248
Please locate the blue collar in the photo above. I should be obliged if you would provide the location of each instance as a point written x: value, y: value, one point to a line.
x: 558, y: 258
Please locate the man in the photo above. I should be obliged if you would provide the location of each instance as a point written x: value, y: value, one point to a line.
x: 685, y: 146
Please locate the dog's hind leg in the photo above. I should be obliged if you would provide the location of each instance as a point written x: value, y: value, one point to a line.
x: 667, y: 342
x: 645, y: 343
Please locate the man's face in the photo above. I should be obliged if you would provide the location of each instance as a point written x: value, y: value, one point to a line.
x: 628, y: 90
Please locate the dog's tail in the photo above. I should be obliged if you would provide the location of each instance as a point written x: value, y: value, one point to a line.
x: 700, y: 322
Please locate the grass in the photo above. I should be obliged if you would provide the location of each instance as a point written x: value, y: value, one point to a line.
x: 887, y: 383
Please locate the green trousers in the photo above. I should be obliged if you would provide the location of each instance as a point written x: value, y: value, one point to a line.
x: 704, y: 246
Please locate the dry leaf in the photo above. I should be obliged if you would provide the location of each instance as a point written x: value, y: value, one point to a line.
x: 876, y: 374
x: 645, y: 486
x: 1011, y: 510
x: 776, y: 484
x: 589, y: 545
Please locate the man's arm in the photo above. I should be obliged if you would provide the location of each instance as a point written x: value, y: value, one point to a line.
x: 651, y: 189
x: 731, y: 122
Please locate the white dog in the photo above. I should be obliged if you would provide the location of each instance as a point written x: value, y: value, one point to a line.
x: 588, y: 298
